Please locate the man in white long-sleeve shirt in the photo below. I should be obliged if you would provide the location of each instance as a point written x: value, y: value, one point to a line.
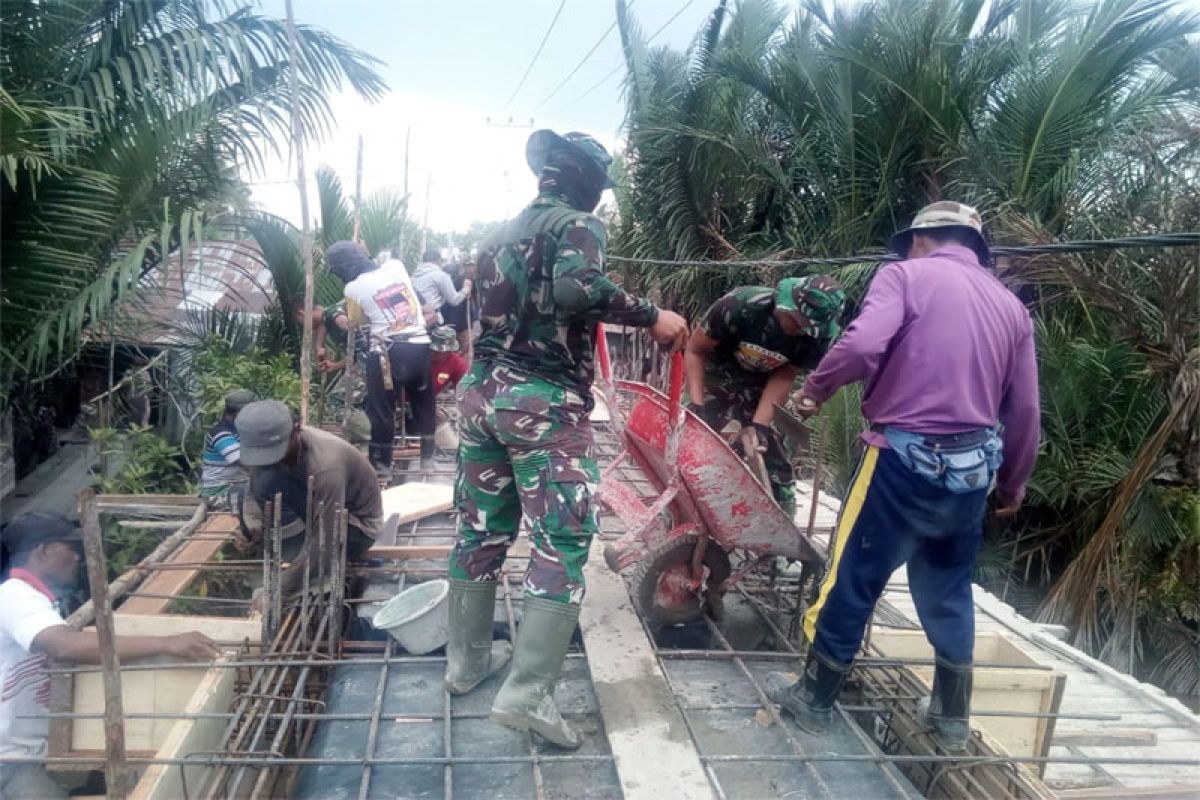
x: 435, y: 286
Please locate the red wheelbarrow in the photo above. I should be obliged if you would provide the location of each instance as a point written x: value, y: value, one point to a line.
x: 709, y: 503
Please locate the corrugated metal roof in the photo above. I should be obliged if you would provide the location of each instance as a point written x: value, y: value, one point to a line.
x: 225, y: 275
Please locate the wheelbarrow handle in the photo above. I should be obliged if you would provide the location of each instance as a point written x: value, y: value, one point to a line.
x: 675, y: 387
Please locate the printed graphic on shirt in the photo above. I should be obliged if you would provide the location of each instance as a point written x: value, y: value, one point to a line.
x: 399, y: 307
x: 29, y: 673
x: 755, y: 358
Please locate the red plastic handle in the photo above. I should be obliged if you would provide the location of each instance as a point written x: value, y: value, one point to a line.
x: 676, y: 386
x: 602, y: 352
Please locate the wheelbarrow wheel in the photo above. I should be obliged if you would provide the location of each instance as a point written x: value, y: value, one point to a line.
x: 662, y: 582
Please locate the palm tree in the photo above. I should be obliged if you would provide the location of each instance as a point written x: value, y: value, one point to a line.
x: 821, y: 133
x: 124, y: 122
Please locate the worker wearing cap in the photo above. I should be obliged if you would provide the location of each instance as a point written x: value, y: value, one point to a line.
x: 744, y: 358
x: 945, y: 354
x: 222, y: 476
x: 43, y: 550
x: 283, y: 455
x: 526, y: 442
x: 384, y: 298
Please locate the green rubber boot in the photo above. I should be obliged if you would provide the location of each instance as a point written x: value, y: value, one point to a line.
x: 471, y: 655
x: 526, y: 700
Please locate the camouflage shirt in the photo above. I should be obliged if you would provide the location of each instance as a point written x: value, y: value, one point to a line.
x: 750, y: 342
x: 543, y: 290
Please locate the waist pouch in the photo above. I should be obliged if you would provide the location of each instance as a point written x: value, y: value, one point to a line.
x: 959, y: 462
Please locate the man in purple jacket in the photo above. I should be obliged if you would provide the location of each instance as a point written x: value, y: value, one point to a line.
x: 946, y: 357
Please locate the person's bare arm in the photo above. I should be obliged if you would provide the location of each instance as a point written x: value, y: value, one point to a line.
x: 61, y: 643
x: 779, y: 386
x: 699, y: 345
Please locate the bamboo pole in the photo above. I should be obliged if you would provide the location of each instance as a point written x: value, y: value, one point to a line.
x: 348, y: 372
x: 86, y: 613
x: 306, y: 342
x: 115, y: 770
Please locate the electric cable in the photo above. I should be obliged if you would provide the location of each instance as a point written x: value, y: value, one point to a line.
x: 1187, y: 239
x: 537, y: 53
x: 578, y: 66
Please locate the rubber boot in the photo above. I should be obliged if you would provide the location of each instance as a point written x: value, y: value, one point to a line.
x: 428, y: 446
x: 381, y: 460
x: 810, y: 700
x: 948, y: 708
x: 471, y: 655
x: 526, y: 700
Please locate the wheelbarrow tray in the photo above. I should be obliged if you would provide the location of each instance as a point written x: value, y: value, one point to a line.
x: 734, y: 506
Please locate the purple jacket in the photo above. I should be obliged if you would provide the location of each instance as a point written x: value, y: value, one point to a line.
x: 942, y: 347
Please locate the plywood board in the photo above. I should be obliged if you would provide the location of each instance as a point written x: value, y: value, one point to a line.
x: 413, y: 501
x: 652, y: 749
x: 216, y: 530
x: 165, y: 691
x: 1028, y: 690
x: 214, y: 693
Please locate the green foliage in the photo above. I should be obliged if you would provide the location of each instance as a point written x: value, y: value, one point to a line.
x: 121, y: 118
x: 145, y: 463
x: 219, y: 369
x: 820, y: 133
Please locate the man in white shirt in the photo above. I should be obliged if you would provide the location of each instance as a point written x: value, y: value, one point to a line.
x: 383, y: 297
x: 44, y: 553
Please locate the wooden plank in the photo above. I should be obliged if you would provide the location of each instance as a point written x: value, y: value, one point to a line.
x: 1107, y: 737
x: 652, y: 750
x: 1174, y: 791
x: 401, y: 552
x: 152, y: 691
x: 414, y: 501
x: 165, y: 782
x: 189, y: 500
x: 174, y: 581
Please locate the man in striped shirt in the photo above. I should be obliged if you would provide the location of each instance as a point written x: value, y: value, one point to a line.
x: 223, y: 478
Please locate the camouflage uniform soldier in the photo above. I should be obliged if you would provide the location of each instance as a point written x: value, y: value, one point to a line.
x: 526, y: 443
x: 743, y: 358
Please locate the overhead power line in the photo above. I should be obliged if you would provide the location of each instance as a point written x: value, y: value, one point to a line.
x: 618, y: 67
x: 578, y: 66
x: 1081, y: 246
x: 537, y: 53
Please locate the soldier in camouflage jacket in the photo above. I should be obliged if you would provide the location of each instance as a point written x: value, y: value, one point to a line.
x: 743, y: 358
x: 525, y: 438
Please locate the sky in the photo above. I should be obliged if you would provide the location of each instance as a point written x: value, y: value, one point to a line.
x: 453, y: 67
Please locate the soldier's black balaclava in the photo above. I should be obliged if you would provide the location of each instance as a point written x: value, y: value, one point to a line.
x: 574, y: 177
x: 347, y: 260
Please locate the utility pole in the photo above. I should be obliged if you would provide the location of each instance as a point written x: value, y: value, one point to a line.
x: 425, y: 220
x: 404, y: 219
x: 306, y: 233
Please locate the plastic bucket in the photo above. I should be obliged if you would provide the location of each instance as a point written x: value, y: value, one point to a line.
x: 418, y: 618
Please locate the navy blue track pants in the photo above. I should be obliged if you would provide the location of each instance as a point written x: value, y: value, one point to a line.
x: 891, y: 516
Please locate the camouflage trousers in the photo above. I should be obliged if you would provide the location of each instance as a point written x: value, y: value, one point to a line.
x: 727, y: 398
x: 525, y: 446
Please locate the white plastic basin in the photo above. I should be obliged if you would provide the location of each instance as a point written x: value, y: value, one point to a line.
x: 418, y: 618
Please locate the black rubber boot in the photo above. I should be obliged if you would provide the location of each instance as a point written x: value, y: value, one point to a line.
x: 809, y: 700
x: 948, y: 708
x: 381, y: 460
x: 428, y: 447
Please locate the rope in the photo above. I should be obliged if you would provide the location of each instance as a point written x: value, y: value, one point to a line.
x: 1080, y: 246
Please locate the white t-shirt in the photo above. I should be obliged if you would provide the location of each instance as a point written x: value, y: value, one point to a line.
x: 386, y: 299
x: 24, y: 681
